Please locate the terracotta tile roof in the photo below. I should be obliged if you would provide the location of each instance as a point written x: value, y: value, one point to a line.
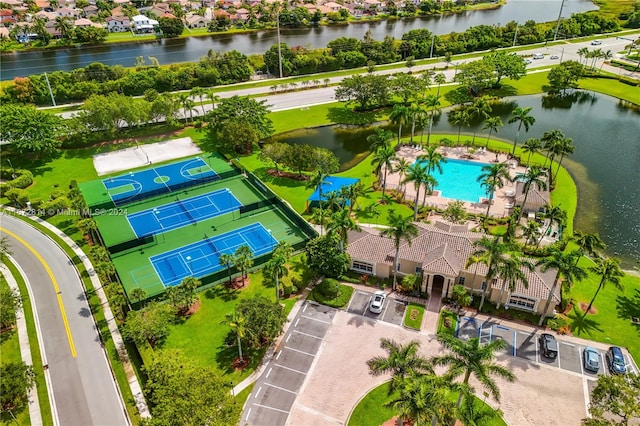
x: 443, y: 260
x: 369, y: 245
x: 539, y: 284
x: 537, y: 196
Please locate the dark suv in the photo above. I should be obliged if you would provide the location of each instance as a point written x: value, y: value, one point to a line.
x: 548, y: 345
x: 615, y: 360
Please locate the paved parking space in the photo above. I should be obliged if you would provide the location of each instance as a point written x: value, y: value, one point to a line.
x: 276, y: 390
x: 392, y: 310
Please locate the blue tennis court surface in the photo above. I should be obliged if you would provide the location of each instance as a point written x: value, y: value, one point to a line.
x: 182, y: 212
x: 158, y: 180
x: 203, y: 258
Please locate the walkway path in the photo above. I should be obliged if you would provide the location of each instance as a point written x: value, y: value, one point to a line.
x: 23, y: 338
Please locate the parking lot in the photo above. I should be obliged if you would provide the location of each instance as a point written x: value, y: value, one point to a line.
x: 526, y: 345
x: 275, y: 391
x: 392, y: 310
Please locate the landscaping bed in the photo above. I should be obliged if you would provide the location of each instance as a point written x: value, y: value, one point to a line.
x: 331, y: 293
x: 447, y: 322
x: 413, y: 316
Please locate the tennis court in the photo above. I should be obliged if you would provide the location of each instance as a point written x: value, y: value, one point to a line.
x: 182, y: 212
x: 157, y: 180
x: 203, y: 258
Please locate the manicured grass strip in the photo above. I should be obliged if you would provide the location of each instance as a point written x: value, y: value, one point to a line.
x: 241, y: 398
x: 612, y: 88
x: 413, y: 316
x: 344, y: 295
x: 103, y: 328
x: 449, y: 317
x: 36, y: 356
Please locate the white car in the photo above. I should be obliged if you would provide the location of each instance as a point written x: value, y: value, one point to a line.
x: 596, y: 43
x: 554, y: 57
x: 377, y: 301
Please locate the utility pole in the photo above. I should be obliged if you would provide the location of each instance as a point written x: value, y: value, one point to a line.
x: 515, y: 37
x: 50, y: 92
x: 433, y: 40
x: 279, y: 47
x: 555, y: 34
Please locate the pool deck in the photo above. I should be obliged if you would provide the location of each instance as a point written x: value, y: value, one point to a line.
x: 503, y: 200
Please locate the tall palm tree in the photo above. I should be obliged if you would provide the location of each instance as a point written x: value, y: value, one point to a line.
x: 439, y: 79
x: 340, y: 223
x: 512, y: 271
x: 531, y: 146
x: 400, y: 166
x: 237, y: 324
x: 492, y: 178
x: 316, y: 181
x: 479, y: 110
x: 469, y: 357
x: 400, y: 228
x: 460, y: 118
x: 351, y: 193
x: 276, y: 266
x: 433, y: 104
x: 380, y: 138
x: 566, y: 267
x: 588, y: 243
x: 199, y: 92
x: 213, y: 98
x: 417, y: 174
x: 400, y: 116
x: 383, y: 159
x: 530, y: 232
x: 65, y: 26
x: 433, y: 159
x: 533, y: 176
x: 416, y: 111
x: 227, y: 260
x: 565, y: 147
x: 605, y: 57
x: 400, y: 361
x: 523, y: 118
x: 552, y: 139
x: 582, y: 52
x: 493, y: 125
x: 492, y: 253
x: 243, y: 259
x: 553, y: 214
x: 609, y: 270
x: 429, y: 183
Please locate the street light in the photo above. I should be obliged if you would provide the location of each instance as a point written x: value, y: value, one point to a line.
x: 279, y: 47
x: 555, y: 34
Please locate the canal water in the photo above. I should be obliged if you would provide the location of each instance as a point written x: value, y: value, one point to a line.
x: 192, y: 49
x: 605, y: 164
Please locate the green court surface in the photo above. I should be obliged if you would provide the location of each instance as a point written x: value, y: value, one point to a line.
x: 97, y: 197
x: 115, y: 227
x: 135, y: 268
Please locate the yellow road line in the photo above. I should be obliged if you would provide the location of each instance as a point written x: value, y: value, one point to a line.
x: 72, y: 346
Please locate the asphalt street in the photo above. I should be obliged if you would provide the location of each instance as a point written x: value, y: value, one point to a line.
x: 83, y: 388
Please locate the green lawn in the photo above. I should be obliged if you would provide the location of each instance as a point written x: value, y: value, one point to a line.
x: 413, y: 316
x: 344, y: 295
x: 371, y: 411
x: 454, y: 320
x: 612, y: 322
x: 203, y: 336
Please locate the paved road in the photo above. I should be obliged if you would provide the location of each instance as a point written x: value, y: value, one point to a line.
x: 84, y: 390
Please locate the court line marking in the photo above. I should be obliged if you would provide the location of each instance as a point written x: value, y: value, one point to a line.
x: 280, y: 388
x: 56, y: 288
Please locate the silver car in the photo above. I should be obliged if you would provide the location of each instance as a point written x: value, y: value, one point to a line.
x: 377, y: 301
x: 591, y: 359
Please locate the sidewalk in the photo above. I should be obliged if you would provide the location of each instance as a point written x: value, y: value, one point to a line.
x: 25, y: 350
x: 134, y: 384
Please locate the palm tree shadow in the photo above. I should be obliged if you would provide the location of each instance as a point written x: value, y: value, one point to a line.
x: 629, y: 307
x: 580, y: 326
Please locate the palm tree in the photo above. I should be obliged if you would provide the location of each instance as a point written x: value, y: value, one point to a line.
x: 582, y: 52
x: 227, y: 260
x: 400, y: 361
x: 316, y: 181
x: 433, y: 104
x: 429, y: 183
x: 469, y: 357
x: 400, y: 116
x: 334, y: 201
x: 552, y: 140
x: 237, y: 324
x: 417, y: 174
x: 433, y: 159
x: 479, y: 109
x: 523, y: 118
x: 399, y: 229
x: 565, y: 147
x: 609, y: 270
x: 460, y: 118
x: 492, y: 253
x: 401, y: 166
x: 416, y: 111
x: 243, y: 259
x: 605, y: 57
x: 380, y: 138
x: 341, y: 223
x: 199, y: 92
x: 138, y: 295
x: 588, y: 243
x: 566, y: 266
x: 531, y: 146
x: 439, y: 79
x: 65, y: 26
x: 530, y: 232
x: 187, y: 104
x: 491, y: 178
x: 383, y: 159
x: 553, y: 214
x: 492, y: 124
x: 511, y: 271
x: 276, y: 266
x: 533, y: 176
x: 352, y: 192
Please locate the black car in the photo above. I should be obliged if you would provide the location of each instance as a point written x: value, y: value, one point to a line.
x: 615, y: 360
x: 548, y: 345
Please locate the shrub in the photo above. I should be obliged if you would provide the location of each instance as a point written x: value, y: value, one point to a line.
x: 57, y: 194
x: 17, y: 196
x: 350, y: 279
x: 558, y: 323
x: 329, y: 288
x: 287, y: 286
x: 55, y: 206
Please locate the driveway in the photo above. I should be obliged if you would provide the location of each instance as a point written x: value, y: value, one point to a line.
x: 392, y: 311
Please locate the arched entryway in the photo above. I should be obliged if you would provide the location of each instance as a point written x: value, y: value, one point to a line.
x: 438, y: 284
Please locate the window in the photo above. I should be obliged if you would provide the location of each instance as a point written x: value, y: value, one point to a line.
x: 362, y: 267
x: 522, y: 302
x: 461, y: 280
x: 398, y: 266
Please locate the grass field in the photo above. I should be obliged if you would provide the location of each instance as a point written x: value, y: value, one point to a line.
x: 413, y: 316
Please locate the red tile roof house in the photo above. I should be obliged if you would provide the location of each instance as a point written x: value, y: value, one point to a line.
x: 439, y: 253
x: 118, y: 24
x: 7, y: 16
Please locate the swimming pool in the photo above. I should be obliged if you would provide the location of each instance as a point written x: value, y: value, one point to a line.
x: 459, y: 180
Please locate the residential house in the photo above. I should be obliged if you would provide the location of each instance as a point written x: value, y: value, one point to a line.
x: 143, y: 24
x: 243, y: 14
x: 439, y: 255
x: 90, y: 10
x: 121, y: 2
x: 536, y: 199
x: 44, y: 5
x: 7, y: 17
x: 65, y: 12
x: 196, y: 21
x: 118, y: 11
x: 373, y: 5
x: 45, y: 16
x: 333, y: 6
x: 85, y: 23
x: 118, y: 24
x: 4, y: 32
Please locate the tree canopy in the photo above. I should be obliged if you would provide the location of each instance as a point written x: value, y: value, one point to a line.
x: 29, y: 130
x: 238, y: 110
x: 264, y: 320
x: 325, y: 257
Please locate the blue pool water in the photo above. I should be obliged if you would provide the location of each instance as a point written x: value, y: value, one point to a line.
x: 459, y: 180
